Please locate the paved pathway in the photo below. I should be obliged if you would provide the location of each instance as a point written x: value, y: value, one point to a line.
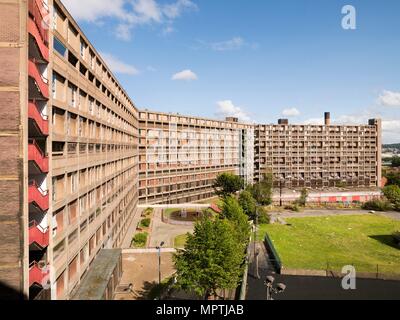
x: 392, y: 215
x: 163, y: 232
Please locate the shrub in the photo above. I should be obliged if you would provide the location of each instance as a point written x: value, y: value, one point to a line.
x: 145, y: 223
x: 376, y: 205
x: 264, y: 218
x: 140, y: 240
x: 293, y: 207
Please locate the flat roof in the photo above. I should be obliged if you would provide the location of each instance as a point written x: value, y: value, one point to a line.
x: 95, y: 283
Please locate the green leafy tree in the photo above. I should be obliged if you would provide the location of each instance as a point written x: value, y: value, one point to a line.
x: 248, y: 204
x: 396, y: 162
x: 234, y: 213
x: 392, y: 193
x: 227, y: 184
x: 393, y: 178
x: 303, y: 197
x: 262, y: 191
x: 212, y: 259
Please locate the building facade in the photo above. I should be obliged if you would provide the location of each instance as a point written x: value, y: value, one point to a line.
x: 69, y: 147
x: 77, y: 156
x: 319, y: 156
x: 181, y: 156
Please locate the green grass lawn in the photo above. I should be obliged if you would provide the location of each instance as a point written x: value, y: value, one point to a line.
x: 362, y: 241
x: 180, y: 241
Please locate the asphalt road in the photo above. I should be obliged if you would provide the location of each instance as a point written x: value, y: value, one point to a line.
x: 317, y: 288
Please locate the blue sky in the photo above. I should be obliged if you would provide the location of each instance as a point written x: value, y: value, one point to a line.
x: 259, y: 60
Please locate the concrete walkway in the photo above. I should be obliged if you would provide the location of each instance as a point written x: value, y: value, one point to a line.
x: 162, y: 232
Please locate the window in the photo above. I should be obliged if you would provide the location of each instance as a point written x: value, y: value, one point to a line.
x: 59, y: 47
x: 54, y: 86
x: 74, y: 182
x: 83, y: 49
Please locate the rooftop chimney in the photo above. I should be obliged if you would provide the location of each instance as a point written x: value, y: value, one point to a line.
x: 232, y: 119
x: 283, y: 121
x: 327, y: 118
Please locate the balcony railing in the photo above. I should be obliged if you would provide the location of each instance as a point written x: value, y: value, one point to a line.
x: 38, y: 9
x: 39, y: 273
x: 34, y: 31
x: 40, y: 81
x: 38, y: 196
x: 38, y: 235
x: 38, y: 156
x: 40, y: 120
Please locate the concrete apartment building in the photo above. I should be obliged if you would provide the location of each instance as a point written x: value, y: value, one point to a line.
x: 181, y: 156
x: 320, y: 156
x: 68, y: 149
x: 77, y: 156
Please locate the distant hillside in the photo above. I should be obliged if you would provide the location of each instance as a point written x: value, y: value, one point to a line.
x: 392, y: 146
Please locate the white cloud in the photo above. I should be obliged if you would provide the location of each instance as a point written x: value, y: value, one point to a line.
x: 236, y: 43
x: 94, y: 10
x: 186, y: 75
x: 168, y: 30
x: 118, y: 66
x: 391, y: 131
x: 128, y: 13
x: 314, y: 121
x: 389, y: 99
x: 151, y: 69
x: 390, y: 127
x: 147, y: 10
x: 226, y: 108
x: 293, y: 112
x: 174, y: 10
x: 232, y: 44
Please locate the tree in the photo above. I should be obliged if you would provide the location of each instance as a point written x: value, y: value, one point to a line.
x: 262, y: 191
x: 248, y: 204
x: 303, y: 197
x: 234, y: 213
x: 227, y: 184
x: 393, y: 178
x: 212, y: 259
x: 396, y: 162
x: 392, y: 193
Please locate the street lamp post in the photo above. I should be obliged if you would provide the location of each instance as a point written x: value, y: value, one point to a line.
x: 159, y: 262
x: 280, y: 287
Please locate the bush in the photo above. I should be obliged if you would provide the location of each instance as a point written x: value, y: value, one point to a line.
x: 376, y: 205
x: 140, y: 240
x: 145, y: 223
x: 293, y: 207
x: 264, y: 218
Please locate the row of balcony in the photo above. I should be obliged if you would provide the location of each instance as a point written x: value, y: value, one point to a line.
x: 38, y: 29
x: 39, y: 274
x: 40, y: 14
x: 37, y: 197
x: 39, y: 88
x: 40, y: 123
x: 39, y: 162
x: 37, y: 47
x: 38, y: 236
